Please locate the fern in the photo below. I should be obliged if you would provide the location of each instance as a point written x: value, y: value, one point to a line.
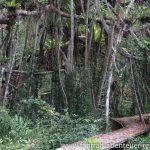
x: 144, y: 43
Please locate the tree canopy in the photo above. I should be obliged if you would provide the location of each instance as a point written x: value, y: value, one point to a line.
x: 87, y: 57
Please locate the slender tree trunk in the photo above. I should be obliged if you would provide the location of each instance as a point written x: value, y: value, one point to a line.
x: 88, y: 60
x: 2, y: 86
x: 58, y: 49
x: 11, y: 64
x: 4, y: 48
x: 82, y: 5
x: 59, y: 65
x: 106, y: 65
x: 71, y: 45
x: 24, y: 51
x: 134, y: 91
x: 108, y: 98
x: 87, y: 36
x: 137, y: 84
x: 32, y: 64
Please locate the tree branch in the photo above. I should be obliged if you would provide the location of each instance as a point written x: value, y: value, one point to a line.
x: 6, y: 17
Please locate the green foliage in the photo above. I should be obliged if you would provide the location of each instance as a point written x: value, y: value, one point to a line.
x: 63, y: 129
x: 3, y: 59
x: 12, y: 4
x: 144, y: 43
x: 5, y: 121
x: 49, y: 43
x: 77, y: 93
x: 19, y: 137
x: 82, y: 29
x: 141, y: 141
x: 66, y: 5
x: 147, y: 107
x: 45, y: 134
x: 48, y: 130
x: 97, y: 32
x: 137, y: 47
x: 19, y: 127
x: 14, y: 132
x: 140, y: 11
x: 36, y: 125
x: 34, y: 109
x: 126, y: 107
x: 93, y: 144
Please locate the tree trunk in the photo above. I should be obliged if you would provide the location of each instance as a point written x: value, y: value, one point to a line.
x: 87, y: 37
x: 108, y: 98
x: 134, y: 90
x: 11, y: 64
x: 71, y: 45
x: 106, y: 65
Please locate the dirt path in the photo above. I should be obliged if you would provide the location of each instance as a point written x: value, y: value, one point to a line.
x: 131, y: 127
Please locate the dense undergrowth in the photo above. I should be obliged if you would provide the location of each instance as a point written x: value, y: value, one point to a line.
x: 38, y: 126
x: 142, y: 142
x: 35, y: 125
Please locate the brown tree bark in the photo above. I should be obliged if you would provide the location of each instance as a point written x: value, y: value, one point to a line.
x: 106, y: 65
x: 134, y: 90
x: 14, y: 45
x: 87, y: 37
x: 70, y: 55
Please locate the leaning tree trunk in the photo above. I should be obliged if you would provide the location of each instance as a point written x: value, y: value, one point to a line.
x: 134, y: 90
x: 11, y: 65
x: 106, y: 65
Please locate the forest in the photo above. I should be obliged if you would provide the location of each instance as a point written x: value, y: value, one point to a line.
x: 74, y: 69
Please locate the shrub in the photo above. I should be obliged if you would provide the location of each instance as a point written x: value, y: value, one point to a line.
x: 34, y: 109
x: 47, y: 131
x: 5, y: 121
x: 140, y: 141
x: 93, y: 144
